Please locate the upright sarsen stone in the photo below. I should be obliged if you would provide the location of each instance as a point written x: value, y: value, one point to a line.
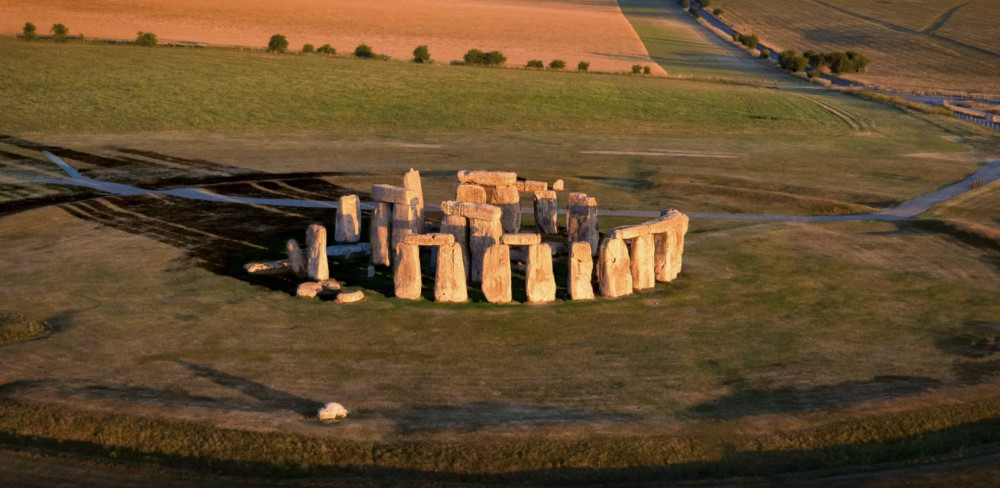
x: 496, y: 274
x: 411, y: 181
x: 296, y: 259
x: 406, y: 271
x: 614, y: 269
x: 546, y: 207
x: 458, y: 227
x: 641, y: 261
x: 347, y: 227
x: 540, y: 282
x: 449, y: 278
x: 581, y: 272
x: 379, y: 234
x: 402, y: 223
x: 317, y: 264
x: 482, y: 235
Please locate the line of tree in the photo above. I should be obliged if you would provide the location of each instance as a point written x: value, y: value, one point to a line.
x: 748, y: 40
x: 60, y: 33
x: 480, y: 58
x: 838, y: 62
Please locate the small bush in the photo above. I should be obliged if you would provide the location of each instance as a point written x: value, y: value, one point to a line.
x: 535, y: 63
x: 277, y: 44
x: 765, y: 53
x: 59, y: 32
x: 326, y: 49
x: 717, y: 12
x: 421, y: 54
x: 582, y: 66
x: 308, y: 49
x: 749, y: 40
x: 636, y: 69
x: 495, y: 58
x: 792, y: 62
x: 646, y: 70
x: 736, y: 37
x: 146, y: 39
x: 364, y: 51
x: 80, y: 37
x: 477, y: 57
x: 813, y: 73
x: 557, y: 64
x: 30, y: 32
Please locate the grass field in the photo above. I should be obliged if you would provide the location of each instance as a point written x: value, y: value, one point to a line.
x: 783, y: 347
x: 933, y: 58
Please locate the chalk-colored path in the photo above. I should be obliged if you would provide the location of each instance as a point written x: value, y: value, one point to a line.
x: 988, y: 172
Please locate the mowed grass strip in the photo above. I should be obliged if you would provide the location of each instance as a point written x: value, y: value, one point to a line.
x: 94, y: 88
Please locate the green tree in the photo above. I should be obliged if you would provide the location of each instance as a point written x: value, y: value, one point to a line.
x: 364, y: 51
x: 421, y: 54
x: 277, y: 44
x: 717, y: 12
x: 636, y: 69
x: 646, y: 70
x: 582, y: 66
x: 59, y: 32
x: 557, y: 64
x: 30, y: 32
x: 535, y: 63
x: 146, y: 39
x: 765, y: 53
x: 308, y: 49
x: 326, y: 49
x: 495, y: 58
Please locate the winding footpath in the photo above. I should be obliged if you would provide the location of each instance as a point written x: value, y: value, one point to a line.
x: 988, y: 172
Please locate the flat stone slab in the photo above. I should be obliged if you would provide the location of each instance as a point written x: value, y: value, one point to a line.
x: 394, y: 194
x: 630, y: 231
x: 438, y: 239
x: 487, y: 178
x: 531, y: 185
x: 524, y: 239
x: 354, y: 296
x: 272, y: 267
x: 308, y: 289
x: 479, y: 211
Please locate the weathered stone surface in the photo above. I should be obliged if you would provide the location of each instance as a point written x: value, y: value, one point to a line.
x: 629, y: 231
x: 581, y: 272
x: 308, y: 289
x: 332, y: 411
x: 546, y: 208
x: 449, y: 278
x: 394, y: 194
x: 458, y: 227
x: 531, y: 185
x: 379, y: 235
x: 350, y: 296
x: 576, y: 213
x: 402, y: 224
x: 487, y: 178
x: 641, y: 261
x: 411, y: 181
x: 349, y: 251
x: 482, y: 235
x: 504, y: 194
x: 317, y: 264
x: 347, y: 227
x: 470, y: 193
x: 557, y: 185
x: 510, y: 218
x: 539, y: 281
x: 439, y: 239
x: 272, y: 267
x: 520, y: 239
x: 406, y: 272
x: 669, y: 244
x: 593, y: 234
x: 496, y: 274
x: 614, y: 269
x: 479, y: 211
x: 329, y: 285
x: 296, y: 258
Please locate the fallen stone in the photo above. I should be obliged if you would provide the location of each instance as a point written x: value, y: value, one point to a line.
x: 557, y: 185
x: 482, y: 235
x: 479, y: 211
x: 296, y: 259
x: 269, y: 268
x: 531, y: 185
x: 379, y: 235
x: 347, y: 227
x: 329, y: 285
x: 487, y: 178
x: 439, y: 239
x: 406, y: 273
x: 402, y: 224
x: 349, y: 251
x: 458, y: 227
x: 539, y: 281
x: 581, y: 272
x: 496, y: 274
x: 470, y: 193
x: 308, y: 289
x: 449, y: 278
x: 317, y: 264
x: 614, y: 269
x: 520, y: 239
x: 394, y: 194
x: 641, y: 262
x: 350, y: 296
x: 546, y: 208
x: 411, y: 181
x: 332, y: 411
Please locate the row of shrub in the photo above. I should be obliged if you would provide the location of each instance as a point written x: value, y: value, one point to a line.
x: 60, y: 33
x: 556, y: 64
x: 836, y: 62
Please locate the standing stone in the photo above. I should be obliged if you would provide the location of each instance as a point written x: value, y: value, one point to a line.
x: 557, y: 185
x: 379, y: 234
x: 482, y: 235
x: 641, y: 260
x: 546, y: 207
x: 540, y: 282
x: 669, y: 241
x: 576, y: 211
x: 406, y: 272
x: 581, y: 272
x: 316, y: 240
x: 295, y: 259
x: 402, y: 223
x: 614, y: 269
x: 470, y: 193
x: 449, y: 279
x: 496, y: 274
x: 458, y: 227
x: 593, y: 233
x: 348, y: 224
x: 508, y: 198
x: 411, y: 181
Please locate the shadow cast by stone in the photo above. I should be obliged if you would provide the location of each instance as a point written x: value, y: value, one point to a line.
x: 269, y: 398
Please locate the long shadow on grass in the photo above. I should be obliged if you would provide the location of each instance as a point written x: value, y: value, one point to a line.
x: 743, y: 401
x: 269, y: 398
x: 475, y: 416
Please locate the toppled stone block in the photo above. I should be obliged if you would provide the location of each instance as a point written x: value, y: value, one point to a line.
x: 350, y: 296
x: 332, y: 411
x: 439, y: 239
x: 308, y: 289
x: 546, y: 208
x: 329, y: 286
x: 521, y: 239
x: 394, y: 194
x: 406, y: 273
x: 296, y: 259
x: 459, y: 227
x: 540, y: 282
x: 380, y: 237
x: 487, y: 178
x: 641, y: 261
x: 531, y: 185
x: 477, y: 211
x: 496, y: 274
x: 614, y: 269
x: 581, y: 272
x: 269, y: 268
x: 349, y: 251
x: 449, y: 278
x: 317, y: 264
x: 469, y: 193
x: 347, y: 227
